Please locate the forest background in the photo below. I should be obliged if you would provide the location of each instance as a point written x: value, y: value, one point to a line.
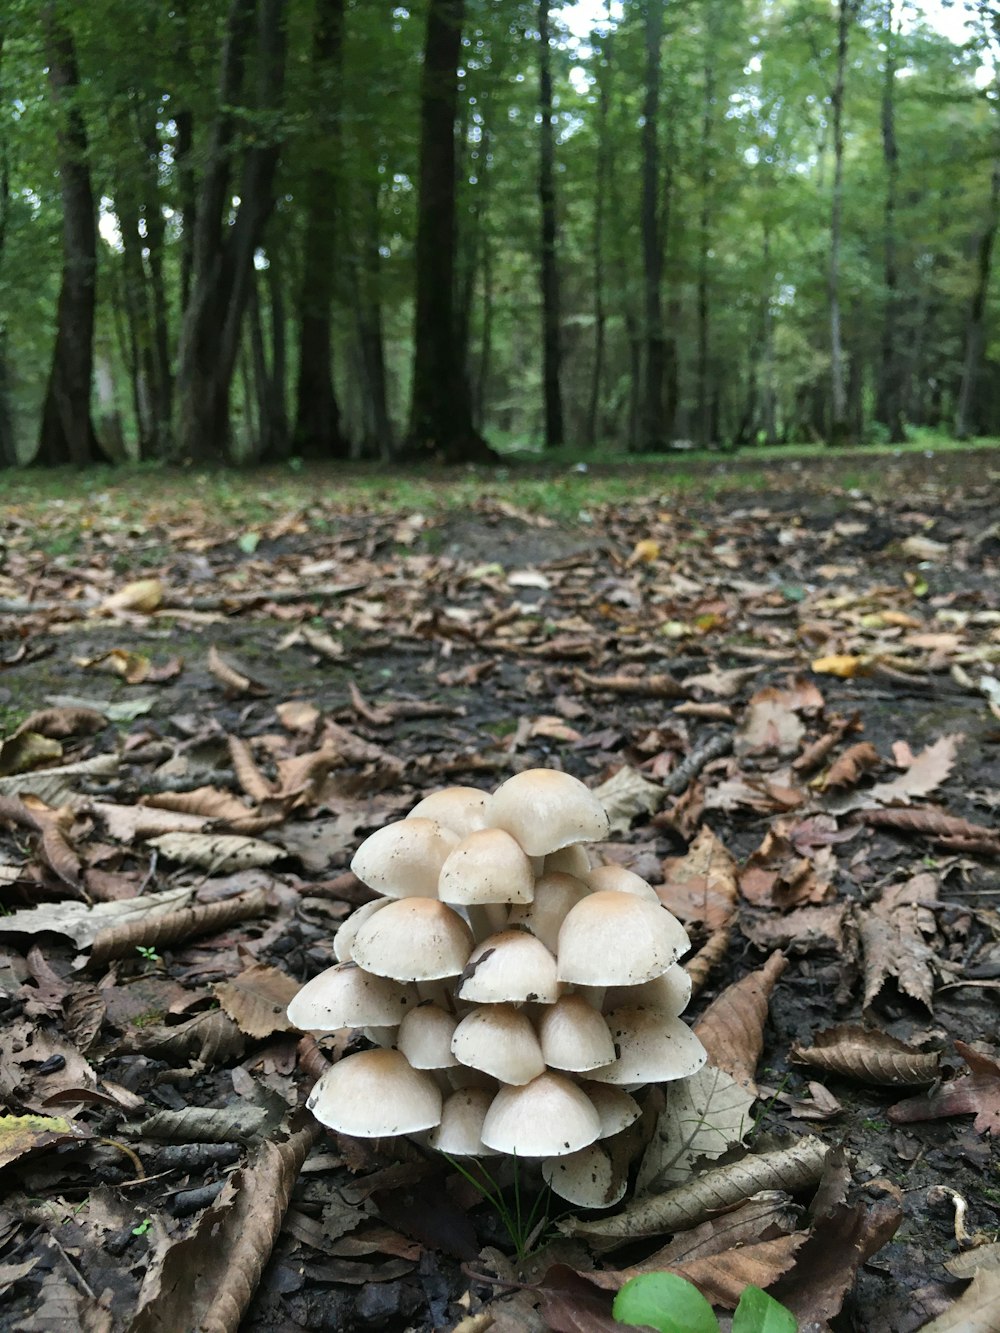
x: 329, y: 229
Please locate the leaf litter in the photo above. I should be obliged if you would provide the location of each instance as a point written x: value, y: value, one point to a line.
x: 815, y: 774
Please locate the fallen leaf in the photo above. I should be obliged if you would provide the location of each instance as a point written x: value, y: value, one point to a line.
x: 978, y: 1092
x: 869, y: 1056
x: 626, y: 795
x: 732, y: 1027
x: 703, y: 1117
x: 257, y: 1000
x: 218, y: 853
x: 894, y: 939
x: 851, y: 766
x: 236, y: 682
x: 21, y: 1134
x: 977, y: 1310
x: 701, y: 886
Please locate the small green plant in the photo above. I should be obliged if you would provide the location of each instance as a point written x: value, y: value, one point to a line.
x: 523, y: 1225
x: 670, y: 1303
x: 148, y: 952
x: 143, y: 1227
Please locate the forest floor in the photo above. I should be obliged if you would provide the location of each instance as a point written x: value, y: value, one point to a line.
x: 204, y: 708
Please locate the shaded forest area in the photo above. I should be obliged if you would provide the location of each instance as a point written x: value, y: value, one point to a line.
x: 321, y: 229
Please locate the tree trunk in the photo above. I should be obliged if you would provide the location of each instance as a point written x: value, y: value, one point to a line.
x: 224, y: 252
x: 551, y: 339
x: 366, y: 277
x: 591, y: 430
x: 975, y: 329
x: 8, y: 443
x: 839, y: 432
x: 652, y: 427
x: 67, y: 433
x: 703, y: 431
x: 889, y: 406
x: 317, y: 416
x: 440, y: 411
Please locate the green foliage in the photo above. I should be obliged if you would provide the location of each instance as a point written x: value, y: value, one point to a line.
x: 671, y: 1304
x: 527, y: 1226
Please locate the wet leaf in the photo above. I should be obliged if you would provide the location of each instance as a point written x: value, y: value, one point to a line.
x: 977, y: 1310
x: 732, y: 1027
x: 20, y: 1134
x: 869, y: 1057
x: 976, y: 1092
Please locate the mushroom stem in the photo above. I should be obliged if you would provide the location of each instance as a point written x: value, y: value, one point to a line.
x: 594, y: 995
x: 487, y: 919
x: 441, y: 992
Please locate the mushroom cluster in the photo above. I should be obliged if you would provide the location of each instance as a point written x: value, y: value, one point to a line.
x: 516, y: 996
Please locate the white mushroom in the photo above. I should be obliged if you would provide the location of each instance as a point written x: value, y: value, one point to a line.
x: 574, y: 1036
x: 512, y: 966
x: 343, y: 941
x: 617, y: 939
x: 345, y: 997
x: 669, y: 992
x: 617, y: 1108
x: 425, y: 1037
x: 499, y: 1040
x: 460, y: 809
x: 617, y: 879
x: 375, y: 1094
x: 548, y: 1117
x: 652, y: 1046
x: 587, y: 1178
x: 414, y: 939
x: 546, y: 810
x: 460, y: 1131
x: 488, y: 866
x: 555, y: 894
x: 404, y: 860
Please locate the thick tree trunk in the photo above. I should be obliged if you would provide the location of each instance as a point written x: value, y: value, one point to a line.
x: 440, y: 413
x: 551, y: 336
x: 975, y: 329
x: 317, y: 416
x: 889, y: 404
x: 704, y: 432
x: 840, y: 431
x: 378, y: 436
x: 223, y: 251
x: 67, y: 433
x: 652, y: 425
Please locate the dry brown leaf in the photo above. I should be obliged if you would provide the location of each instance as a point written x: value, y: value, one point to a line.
x: 206, y: 1281
x: 803, y: 930
x: 21, y: 1134
x: 703, y: 1117
x: 208, y: 802
x: 84, y: 922
x: 646, y: 687
x: 777, y: 875
x: 60, y: 723
x: 235, y: 681
x: 851, y: 766
x: 210, y: 1038
x: 771, y: 724
x: 977, y: 1310
x: 298, y: 715
x: 142, y: 596
x: 924, y: 772
x: 934, y: 824
x: 732, y: 1027
x: 710, y: 955
x: 894, y: 934
x: 701, y: 886
x: 978, y: 1091
x: 60, y: 855
x: 790, y: 1169
x: 869, y: 1056
x: 722, y: 1278
x: 967, y: 1263
x: 218, y: 853
x: 304, y: 771
x: 724, y: 684
x: 248, y: 774
x: 133, y: 667
x: 240, y: 1122
x: 257, y: 999
x: 58, y: 786
x: 160, y: 931
x: 26, y: 750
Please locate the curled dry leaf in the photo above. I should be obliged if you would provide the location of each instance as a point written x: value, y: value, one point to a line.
x: 732, y: 1027
x: 934, y: 824
x: 143, y: 596
x: 869, y: 1056
x: 21, y: 1134
x: 209, y: 802
x: 59, y: 723
x: 83, y: 922
x: 926, y: 771
x: 234, y: 680
x: 253, y: 781
x: 894, y: 935
x: 239, y: 1122
x: 978, y: 1092
x: 211, y: 1039
x: 219, y: 853
x: 967, y: 1263
x: 57, y: 786
x: 627, y: 794
x: 701, y: 887
x: 791, y: 1169
x: 710, y: 955
x: 167, y: 928
x: 771, y: 724
x: 851, y: 766
x: 647, y: 687
x: 26, y: 750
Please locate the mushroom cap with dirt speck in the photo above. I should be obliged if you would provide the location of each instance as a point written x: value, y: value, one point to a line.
x: 460, y: 1131
x: 488, y: 866
x: 346, y: 997
x: 460, y: 809
x: 574, y: 1036
x: 617, y: 879
x: 555, y: 894
x: 425, y: 1037
x: 653, y: 1047
x: 375, y: 1094
x: 404, y: 860
x: 670, y: 992
x: 548, y: 1117
x: 343, y: 941
x: 617, y: 939
x: 617, y: 1108
x: 499, y: 1040
x: 414, y: 939
x: 586, y: 1178
x: 546, y: 810
x: 511, y: 966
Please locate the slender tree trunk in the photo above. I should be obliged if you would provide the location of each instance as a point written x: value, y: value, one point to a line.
x: 768, y: 394
x: 317, y: 416
x: 652, y: 429
x: 551, y: 335
x: 975, y: 328
x: 591, y: 430
x: 440, y: 410
x: 223, y: 251
x: 889, y: 406
x: 8, y: 443
x: 366, y: 274
x: 704, y: 432
x: 839, y: 431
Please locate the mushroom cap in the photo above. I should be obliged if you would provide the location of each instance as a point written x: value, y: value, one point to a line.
x: 460, y: 809
x: 425, y: 1037
x: 499, y: 1040
x: 548, y: 1117
x: 586, y: 1178
x: 343, y: 941
x: 617, y: 1108
x: 511, y: 966
x: 346, y: 997
x: 617, y: 879
x: 574, y: 1036
x: 617, y: 939
x: 488, y: 866
x: 571, y: 860
x: 374, y: 1094
x: 460, y: 1132
x: 670, y: 992
x: 555, y: 894
x: 546, y: 810
x: 414, y: 939
x: 404, y: 860
x: 653, y: 1047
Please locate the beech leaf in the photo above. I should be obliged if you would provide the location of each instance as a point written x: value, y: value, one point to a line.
x: 869, y: 1056
x: 704, y: 1116
x: 732, y: 1027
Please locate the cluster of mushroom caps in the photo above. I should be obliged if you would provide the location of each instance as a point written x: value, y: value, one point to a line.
x: 517, y: 996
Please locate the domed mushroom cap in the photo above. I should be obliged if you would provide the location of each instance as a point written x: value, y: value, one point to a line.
x: 414, y: 939
x: 499, y: 1040
x: 616, y: 939
x: 574, y: 1036
x: 460, y: 1131
x: 374, y: 1094
x: 571, y: 860
x: 617, y: 1108
x: 545, y: 810
x: 425, y: 1037
x: 343, y: 941
x: 460, y: 809
x: 345, y: 997
x: 616, y: 879
x: 404, y: 860
x: 487, y: 867
x: 670, y: 992
x: 653, y: 1047
x: 547, y: 1117
x: 586, y: 1178
x: 555, y: 894
x: 511, y: 966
